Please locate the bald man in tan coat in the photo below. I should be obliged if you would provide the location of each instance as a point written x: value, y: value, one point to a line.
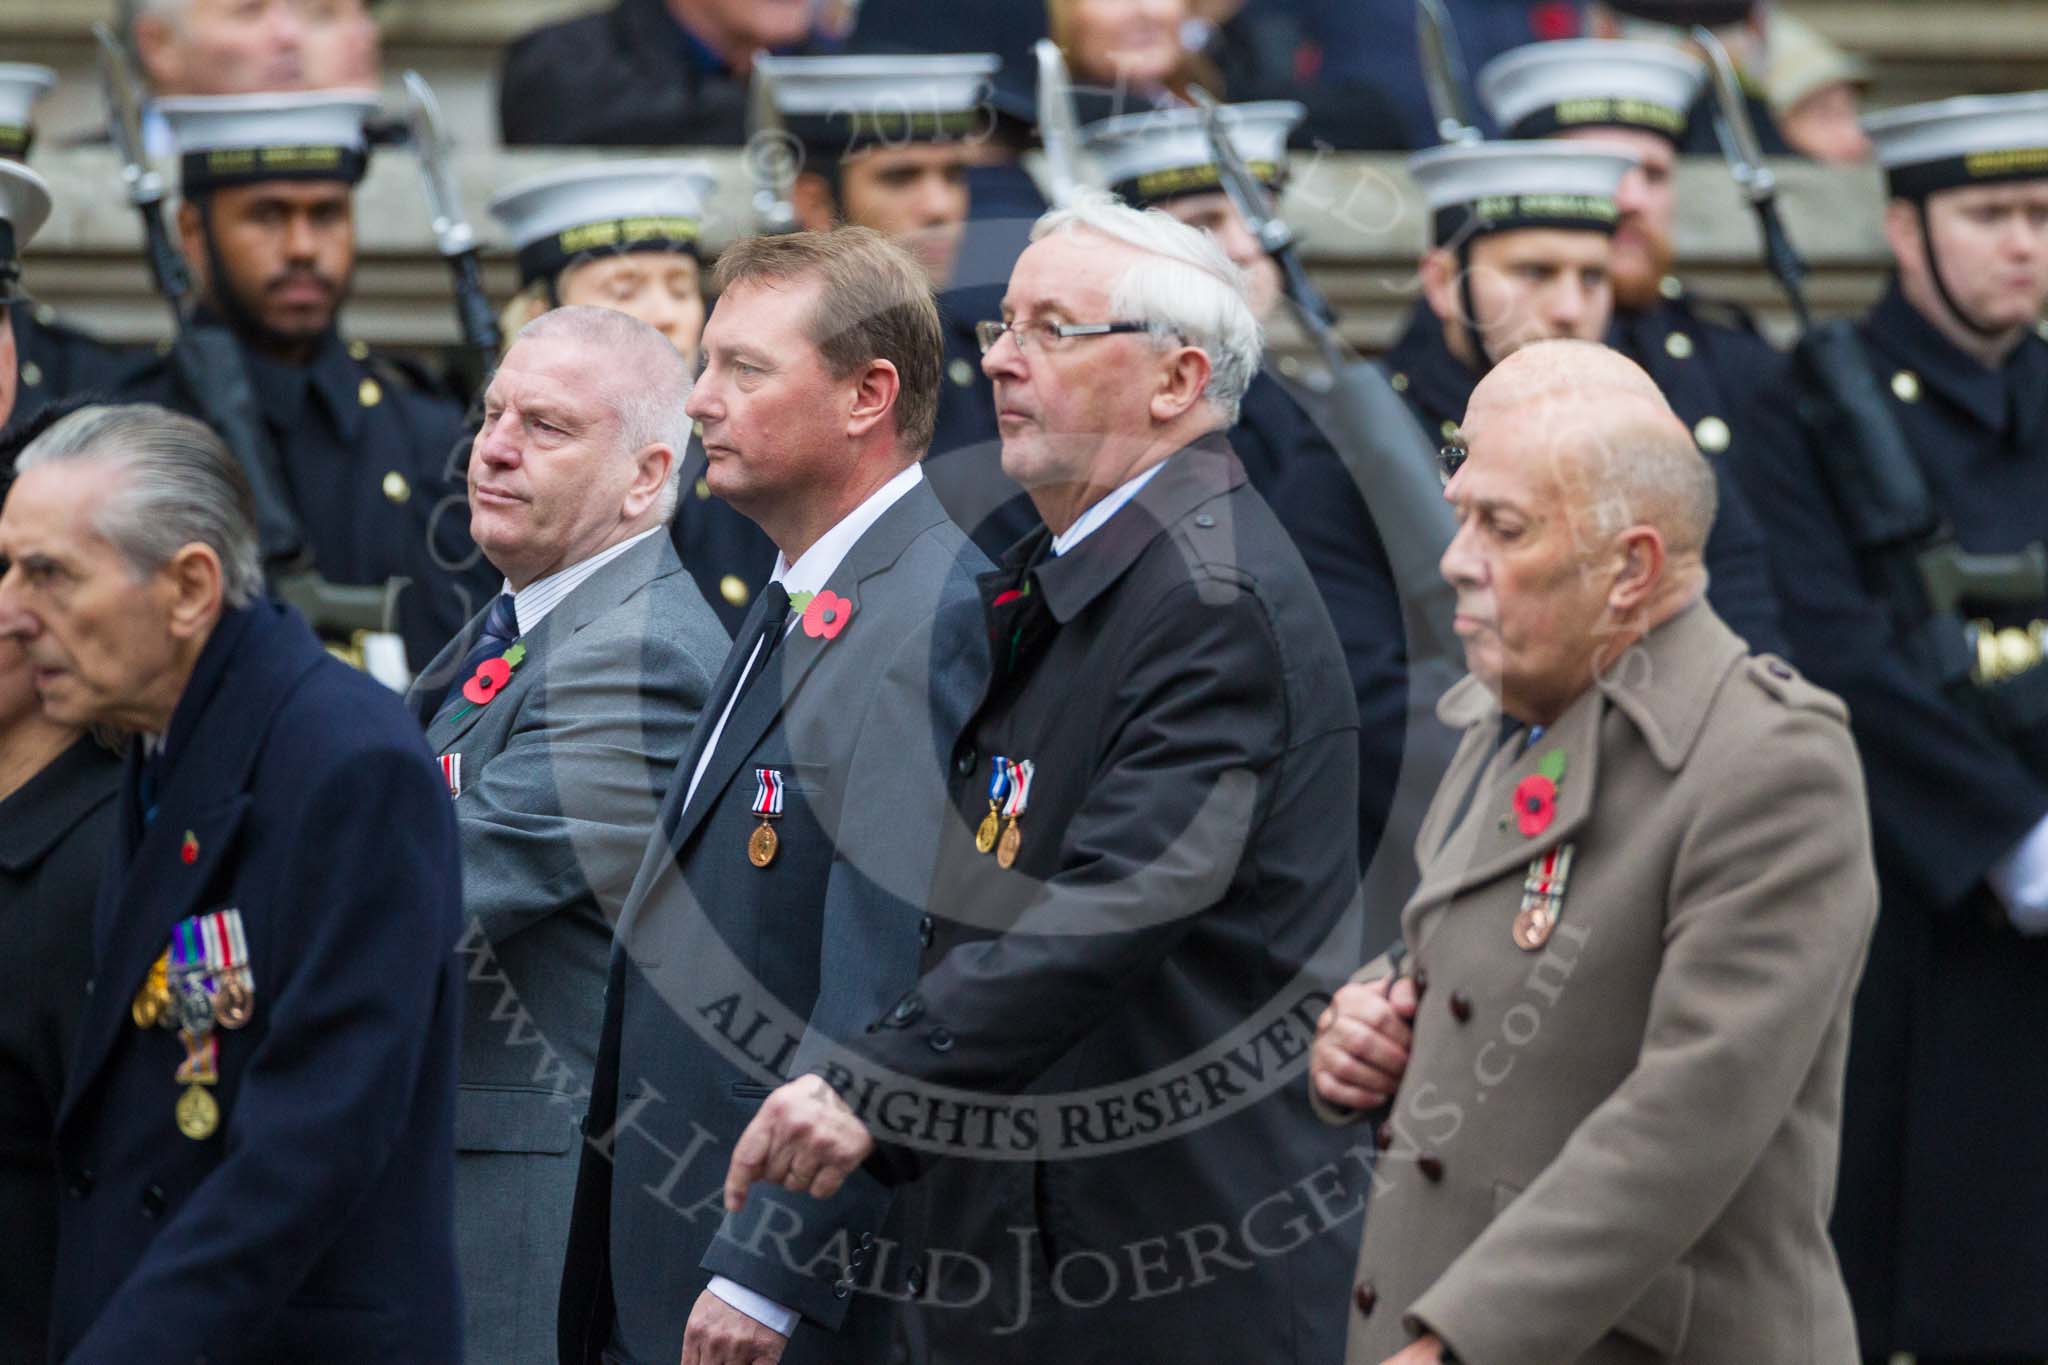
x: 1607, y: 1068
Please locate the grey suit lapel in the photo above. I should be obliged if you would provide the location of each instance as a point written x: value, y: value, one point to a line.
x: 652, y: 559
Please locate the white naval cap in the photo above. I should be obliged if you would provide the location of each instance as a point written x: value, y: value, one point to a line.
x: 21, y: 85
x: 24, y: 208
x: 845, y: 103
x: 1156, y: 155
x: 237, y: 139
x: 1497, y: 186
x: 1968, y: 140
x: 612, y: 206
x: 1554, y: 87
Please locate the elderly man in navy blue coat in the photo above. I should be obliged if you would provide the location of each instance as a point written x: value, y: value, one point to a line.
x: 256, y: 1138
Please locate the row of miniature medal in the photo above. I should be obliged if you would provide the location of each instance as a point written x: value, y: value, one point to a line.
x: 1009, y: 793
x: 200, y: 981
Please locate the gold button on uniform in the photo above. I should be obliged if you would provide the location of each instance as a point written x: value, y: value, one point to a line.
x: 369, y: 393
x: 1398, y: 382
x: 961, y: 373
x: 46, y: 315
x: 1906, y: 386
x: 733, y: 590
x: 1712, y: 435
x: 358, y: 350
x: 1677, y: 345
x: 1448, y: 429
x: 703, y: 489
x: 396, y: 488
x: 31, y: 373
x: 697, y: 430
x: 1671, y: 287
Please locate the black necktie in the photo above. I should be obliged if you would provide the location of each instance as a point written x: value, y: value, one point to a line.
x: 501, y: 628
x: 774, y: 626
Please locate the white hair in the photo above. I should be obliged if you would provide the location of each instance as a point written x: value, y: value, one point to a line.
x: 1185, y: 286
x: 651, y: 381
x: 171, y: 483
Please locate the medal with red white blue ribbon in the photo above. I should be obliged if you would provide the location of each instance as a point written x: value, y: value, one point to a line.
x: 1022, y: 771
x: 1542, y: 898
x: 998, y: 793
x: 762, y: 844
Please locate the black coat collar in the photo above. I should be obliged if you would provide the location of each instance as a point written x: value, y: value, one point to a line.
x: 54, y: 802
x: 2011, y: 400
x: 1437, y: 382
x: 1191, y: 476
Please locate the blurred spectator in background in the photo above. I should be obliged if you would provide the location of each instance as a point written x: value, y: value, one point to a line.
x: 1740, y: 27
x: 1814, y: 89
x: 1372, y: 42
x: 645, y: 73
x: 219, y: 47
x: 342, y: 51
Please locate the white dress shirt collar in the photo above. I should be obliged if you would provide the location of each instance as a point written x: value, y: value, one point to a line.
x: 532, y: 603
x: 1091, y: 520
x: 815, y: 566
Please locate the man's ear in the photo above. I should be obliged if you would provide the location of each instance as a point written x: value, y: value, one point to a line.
x: 650, y: 475
x: 1902, y: 235
x: 1183, y: 378
x: 197, y: 590
x: 811, y: 197
x: 874, y: 397
x: 1640, y: 552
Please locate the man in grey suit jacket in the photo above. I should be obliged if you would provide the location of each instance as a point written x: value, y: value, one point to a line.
x: 779, y: 909
x: 558, y: 715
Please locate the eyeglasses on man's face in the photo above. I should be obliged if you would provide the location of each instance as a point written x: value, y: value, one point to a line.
x: 1048, y: 336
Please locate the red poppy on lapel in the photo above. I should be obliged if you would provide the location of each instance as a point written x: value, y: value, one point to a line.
x: 492, y: 675
x: 188, y: 852
x: 1535, y: 804
x: 826, y: 615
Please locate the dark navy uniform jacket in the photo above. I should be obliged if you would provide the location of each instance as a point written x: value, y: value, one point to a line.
x: 374, y: 467
x: 1438, y: 386
x: 1941, y: 1242
x: 731, y: 558
x: 55, y: 362
x: 316, y: 1222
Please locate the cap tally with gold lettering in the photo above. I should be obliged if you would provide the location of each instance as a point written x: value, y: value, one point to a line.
x: 24, y: 208
x: 1164, y: 153
x: 21, y: 85
x: 1485, y: 187
x: 244, y: 139
x: 1968, y: 140
x: 609, y: 208
x: 1549, y: 88
x: 840, y: 105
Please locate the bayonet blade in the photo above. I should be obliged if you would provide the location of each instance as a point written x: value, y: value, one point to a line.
x: 1732, y: 128
x: 1058, y: 129
x: 432, y: 145
x: 124, y: 118
x: 1443, y: 72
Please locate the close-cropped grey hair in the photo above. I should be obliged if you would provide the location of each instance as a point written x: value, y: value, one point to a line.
x: 1186, y: 287
x: 649, y: 386
x: 172, y: 484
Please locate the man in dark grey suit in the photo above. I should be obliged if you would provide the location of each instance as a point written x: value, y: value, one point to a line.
x: 778, y: 909
x: 558, y: 716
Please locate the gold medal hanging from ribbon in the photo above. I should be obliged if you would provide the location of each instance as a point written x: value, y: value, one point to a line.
x: 198, y: 1113
x: 763, y: 843
x: 1021, y: 773
x: 152, y: 1005
x: 998, y: 793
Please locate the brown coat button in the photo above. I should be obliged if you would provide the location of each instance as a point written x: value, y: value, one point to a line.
x: 1421, y: 980
x: 1461, y: 1006
x: 1432, y: 1167
x: 1384, y: 1138
x: 1366, y: 1297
